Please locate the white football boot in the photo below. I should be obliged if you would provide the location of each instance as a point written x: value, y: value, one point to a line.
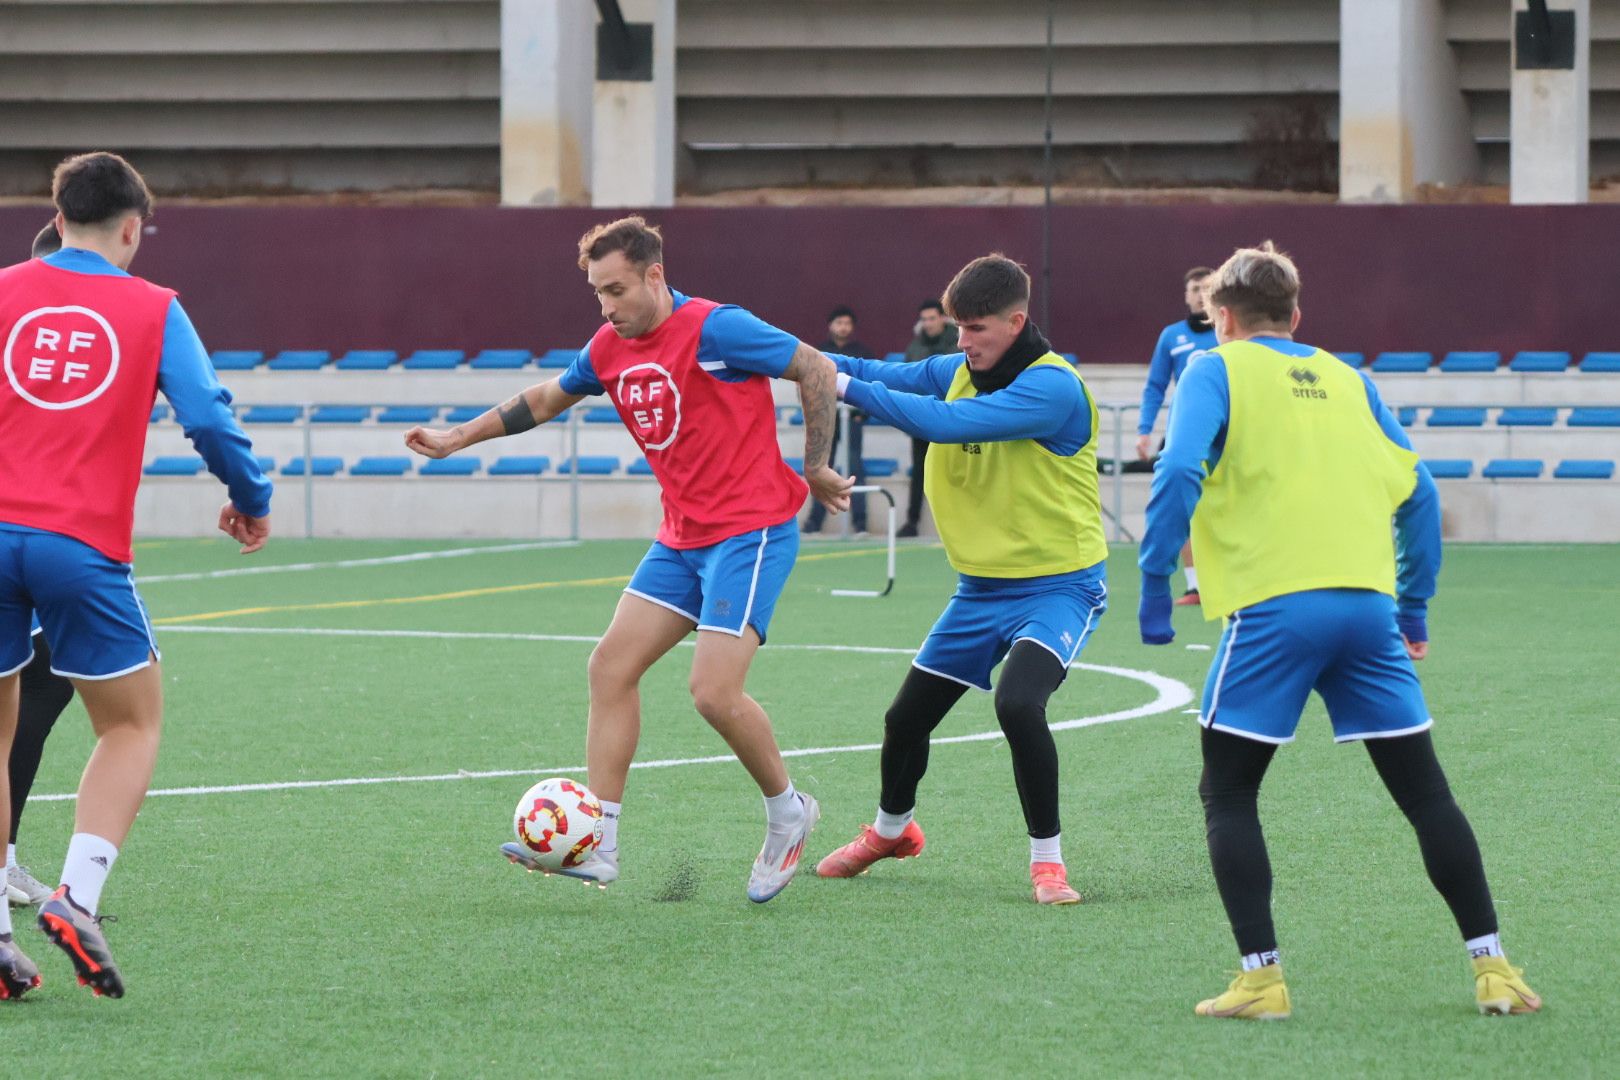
x: 779, y: 859
x: 602, y: 868
x: 24, y: 889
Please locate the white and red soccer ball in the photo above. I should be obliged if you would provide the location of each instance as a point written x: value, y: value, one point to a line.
x: 560, y: 821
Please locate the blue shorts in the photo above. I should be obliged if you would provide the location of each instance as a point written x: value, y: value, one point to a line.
x: 987, y: 616
x: 1342, y: 643
x: 723, y: 587
x: 92, y: 617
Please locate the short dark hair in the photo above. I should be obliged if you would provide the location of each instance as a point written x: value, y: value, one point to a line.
x: 46, y: 242
x: 94, y: 188
x: 840, y: 311
x: 930, y: 305
x: 641, y: 243
x: 1259, y: 285
x: 1196, y: 273
x: 989, y: 285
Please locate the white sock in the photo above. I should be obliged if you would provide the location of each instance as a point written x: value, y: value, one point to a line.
x: 1192, y: 578
x: 5, y: 916
x: 11, y: 856
x: 890, y: 826
x: 1254, y: 960
x: 84, y: 871
x: 784, y: 811
x: 610, y: 826
x: 1048, y: 849
x: 1489, y: 945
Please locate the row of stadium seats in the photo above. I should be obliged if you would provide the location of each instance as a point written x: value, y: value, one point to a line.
x: 418, y: 414
x: 1512, y: 416
x: 1520, y: 469
x: 513, y: 359
x: 523, y: 465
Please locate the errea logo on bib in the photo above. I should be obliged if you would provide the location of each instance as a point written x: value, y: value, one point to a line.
x: 650, y: 405
x: 61, y: 357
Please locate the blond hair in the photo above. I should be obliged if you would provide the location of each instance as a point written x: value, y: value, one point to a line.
x: 1259, y: 285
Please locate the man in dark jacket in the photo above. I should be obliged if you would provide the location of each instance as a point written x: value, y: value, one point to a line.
x: 841, y: 340
x: 936, y: 336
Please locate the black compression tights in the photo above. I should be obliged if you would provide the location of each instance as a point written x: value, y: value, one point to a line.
x: 1230, y: 788
x: 43, y: 697
x: 1028, y: 679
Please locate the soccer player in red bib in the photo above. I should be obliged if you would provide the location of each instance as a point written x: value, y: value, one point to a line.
x: 691, y: 381
x: 86, y: 349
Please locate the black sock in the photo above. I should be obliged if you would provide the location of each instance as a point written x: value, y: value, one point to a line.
x: 1028, y: 679
x: 918, y: 708
x: 1230, y: 789
x: 43, y: 696
x: 1412, y: 773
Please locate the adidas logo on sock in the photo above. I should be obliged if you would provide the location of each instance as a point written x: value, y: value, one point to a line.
x: 99, y: 860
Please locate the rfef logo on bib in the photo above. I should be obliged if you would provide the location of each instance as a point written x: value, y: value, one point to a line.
x: 61, y: 357
x: 650, y: 405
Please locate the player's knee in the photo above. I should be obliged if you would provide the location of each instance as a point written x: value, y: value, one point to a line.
x: 607, y: 670
x: 1019, y: 710
x: 715, y: 700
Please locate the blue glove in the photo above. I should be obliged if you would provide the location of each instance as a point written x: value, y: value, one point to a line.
x: 1154, y: 612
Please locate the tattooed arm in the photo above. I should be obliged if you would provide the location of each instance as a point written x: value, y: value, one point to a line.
x: 530, y: 409
x: 818, y: 395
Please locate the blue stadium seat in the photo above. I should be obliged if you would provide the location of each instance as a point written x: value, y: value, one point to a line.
x: 500, y: 360
x: 463, y: 413
x: 1601, y: 363
x: 639, y: 467
x: 1527, y: 416
x: 520, y: 465
x: 381, y: 466
x: 1513, y: 469
x: 1595, y: 417
x: 1581, y: 469
x: 160, y: 412
x: 878, y: 467
x: 1354, y: 359
x: 408, y: 414
x: 237, y: 359
x: 601, y: 465
x: 300, y: 360
x: 177, y: 465
x: 451, y: 466
x: 321, y: 466
x: 795, y: 463
x: 1407, y: 415
x: 1450, y: 469
x: 557, y: 358
x: 272, y: 414
x: 1457, y: 417
x: 1392, y: 362
x: 266, y: 464
x: 367, y: 360
x: 1540, y: 361
x: 340, y: 414
x: 434, y: 360
x: 1460, y: 362
x: 601, y: 414
x: 1074, y: 361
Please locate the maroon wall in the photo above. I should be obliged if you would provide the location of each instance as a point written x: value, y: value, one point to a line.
x: 1376, y: 278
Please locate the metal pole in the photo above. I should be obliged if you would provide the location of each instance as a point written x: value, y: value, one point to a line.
x: 846, y: 527
x: 573, y: 473
x: 1046, y: 205
x: 309, y: 473
x: 1119, y: 471
x: 893, y: 528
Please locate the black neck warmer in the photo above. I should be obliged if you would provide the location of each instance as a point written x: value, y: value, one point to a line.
x: 1029, y: 346
x: 1200, y: 324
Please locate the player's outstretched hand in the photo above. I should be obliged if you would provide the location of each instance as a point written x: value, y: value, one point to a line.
x: 830, y: 488
x: 250, y: 532
x: 431, y: 443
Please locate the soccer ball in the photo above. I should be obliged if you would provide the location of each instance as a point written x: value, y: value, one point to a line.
x: 560, y: 821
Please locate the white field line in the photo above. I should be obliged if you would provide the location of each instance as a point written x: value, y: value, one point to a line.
x: 1171, y: 694
x: 345, y: 564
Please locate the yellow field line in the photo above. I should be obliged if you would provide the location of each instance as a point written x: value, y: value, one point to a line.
x: 462, y: 594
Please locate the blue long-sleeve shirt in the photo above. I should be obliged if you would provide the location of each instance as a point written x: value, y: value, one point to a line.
x: 201, y: 405
x: 1178, y: 343
x: 1044, y: 403
x: 1197, y: 436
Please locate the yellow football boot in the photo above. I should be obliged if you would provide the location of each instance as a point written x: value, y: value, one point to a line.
x: 1254, y: 995
x: 1500, y: 989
